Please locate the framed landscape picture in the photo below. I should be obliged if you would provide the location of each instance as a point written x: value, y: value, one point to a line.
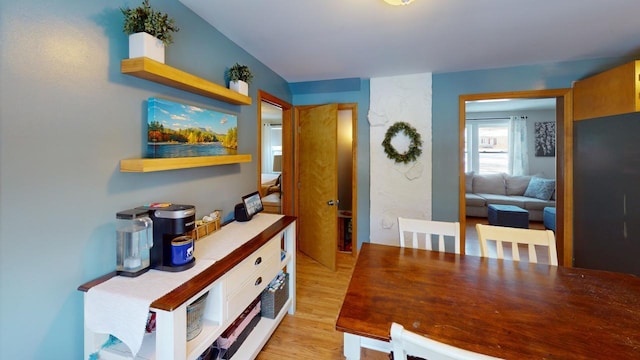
x: 180, y: 130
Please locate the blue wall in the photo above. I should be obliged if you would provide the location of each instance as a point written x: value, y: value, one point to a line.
x: 67, y: 117
x: 345, y: 91
x: 448, y: 87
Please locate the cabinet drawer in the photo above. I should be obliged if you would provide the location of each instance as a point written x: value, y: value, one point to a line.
x: 254, y: 262
x: 251, y: 287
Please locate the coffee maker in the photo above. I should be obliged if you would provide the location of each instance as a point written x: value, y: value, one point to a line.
x: 172, y: 243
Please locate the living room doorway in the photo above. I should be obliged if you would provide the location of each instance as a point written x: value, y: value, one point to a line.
x: 563, y: 166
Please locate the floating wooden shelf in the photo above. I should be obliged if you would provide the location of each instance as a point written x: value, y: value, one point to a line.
x: 152, y: 70
x: 150, y: 165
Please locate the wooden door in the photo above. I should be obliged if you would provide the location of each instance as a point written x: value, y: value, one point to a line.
x: 318, y: 183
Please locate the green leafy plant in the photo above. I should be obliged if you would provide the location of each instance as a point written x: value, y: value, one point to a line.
x: 145, y: 19
x: 415, y: 148
x: 240, y: 72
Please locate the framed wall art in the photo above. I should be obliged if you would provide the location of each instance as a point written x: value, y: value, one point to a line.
x: 181, y: 130
x: 545, y: 133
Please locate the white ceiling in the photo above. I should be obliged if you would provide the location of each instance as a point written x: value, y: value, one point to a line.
x: 305, y: 40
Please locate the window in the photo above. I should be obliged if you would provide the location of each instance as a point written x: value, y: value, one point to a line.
x: 487, y: 146
x: 272, y: 148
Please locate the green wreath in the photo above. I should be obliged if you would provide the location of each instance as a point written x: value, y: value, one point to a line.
x: 414, y: 148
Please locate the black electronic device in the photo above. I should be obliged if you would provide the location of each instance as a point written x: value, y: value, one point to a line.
x: 251, y: 204
x: 172, y: 244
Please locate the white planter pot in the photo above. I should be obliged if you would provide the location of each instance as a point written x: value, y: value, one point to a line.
x: 143, y: 44
x: 239, y: 86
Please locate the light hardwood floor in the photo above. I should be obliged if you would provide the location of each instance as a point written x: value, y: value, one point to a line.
x: 310, y: 334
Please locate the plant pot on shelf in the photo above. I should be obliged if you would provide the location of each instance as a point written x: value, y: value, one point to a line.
x: 143, y: 44
x: 239, y: 86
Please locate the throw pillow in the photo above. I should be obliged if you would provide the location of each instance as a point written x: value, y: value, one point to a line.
x: 540, y: 188
x: 468, y: 182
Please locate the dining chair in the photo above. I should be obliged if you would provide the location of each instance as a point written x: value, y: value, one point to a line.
x: 419, y: 228
x: 407, y: 343
x: 517, y: 236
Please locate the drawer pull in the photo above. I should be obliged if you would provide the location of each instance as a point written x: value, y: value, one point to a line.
x: 258, y: 261
x: 258, y: 281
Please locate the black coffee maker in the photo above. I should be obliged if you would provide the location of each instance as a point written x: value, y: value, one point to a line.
x: 172, y: 243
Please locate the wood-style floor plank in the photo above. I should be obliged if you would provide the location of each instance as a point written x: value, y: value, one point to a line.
x: 310, y: 334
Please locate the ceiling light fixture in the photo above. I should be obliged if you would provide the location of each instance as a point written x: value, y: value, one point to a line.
x: 398, y: 2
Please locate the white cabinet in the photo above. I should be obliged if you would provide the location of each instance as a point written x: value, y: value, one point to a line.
x: 247, y: 280
x: 244, y: 265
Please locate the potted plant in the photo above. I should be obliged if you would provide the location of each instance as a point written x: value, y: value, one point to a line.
x: 240, y: 77
x: 149, y: 31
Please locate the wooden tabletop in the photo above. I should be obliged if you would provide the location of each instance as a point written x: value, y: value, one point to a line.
x: 508, y: 309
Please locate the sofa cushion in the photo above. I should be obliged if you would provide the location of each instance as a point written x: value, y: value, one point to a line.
x: 489, y: 184
x: 537, y: 204
x: 474, y: 200
x: 503, y: 199
x: 516, y: 185
x: 540, y: 188
x: 468, y: 182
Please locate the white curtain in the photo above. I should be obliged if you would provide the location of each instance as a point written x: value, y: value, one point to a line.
x: 518, y: 153
x: 267, y: 156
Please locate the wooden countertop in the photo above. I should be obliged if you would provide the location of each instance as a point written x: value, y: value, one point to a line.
x: 181, y: 294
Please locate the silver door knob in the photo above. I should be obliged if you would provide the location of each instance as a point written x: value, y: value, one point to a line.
x: 331, y: 203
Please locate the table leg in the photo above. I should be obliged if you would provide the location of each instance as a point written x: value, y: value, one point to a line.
x: 351, y: 346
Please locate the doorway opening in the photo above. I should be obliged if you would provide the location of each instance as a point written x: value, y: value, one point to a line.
x: 275, y: 154
x: 326, y: 144
x: 563, y: 164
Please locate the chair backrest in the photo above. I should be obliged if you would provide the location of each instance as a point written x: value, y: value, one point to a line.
x: 424, y: 229
x: 517, y: 236
x: 405, y: 343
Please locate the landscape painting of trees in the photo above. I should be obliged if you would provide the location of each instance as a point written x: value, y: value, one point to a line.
x: 180, y: 130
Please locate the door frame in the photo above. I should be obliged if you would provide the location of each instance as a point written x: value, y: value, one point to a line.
x: 287, y: 181
x: 564, y: 163
x: 354, y: 166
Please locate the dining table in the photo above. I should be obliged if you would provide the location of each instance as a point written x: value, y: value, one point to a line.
x: 502, y: 308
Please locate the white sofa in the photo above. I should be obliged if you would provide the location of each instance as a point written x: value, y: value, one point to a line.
x: 482, y: 190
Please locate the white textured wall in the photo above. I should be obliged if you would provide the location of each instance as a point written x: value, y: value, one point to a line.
x: 399, y: 189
